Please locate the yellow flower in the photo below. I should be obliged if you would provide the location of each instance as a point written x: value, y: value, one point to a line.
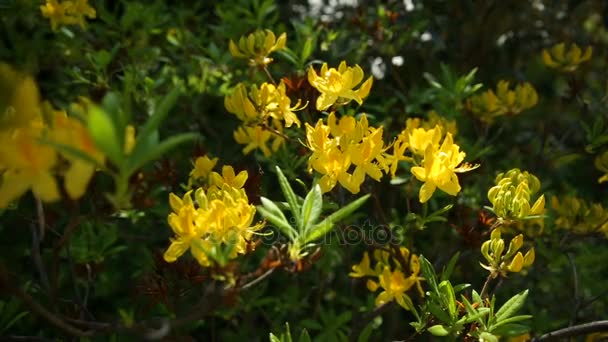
x: 258, y: 46
x: 28, y: 165
x: 601, y: 163
x: 202, y: 167
x: 19, y: 99
x: 71, y: 132
x: 420, y: 139
x: 363, y: 269
x: 67, y: 12
x: 257, y: 137
x: 488, y: 105
x: 569, y: 61
x: 229, y: 178
x: 439, y: 169
x: 351, y: 142
x: 337, y: 86
x: 262, y: 103
x: 394, y: 285
x: 221, y: 216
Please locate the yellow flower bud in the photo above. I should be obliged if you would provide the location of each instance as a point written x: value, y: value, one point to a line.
x: 529, y: 257
x: 517, y: 263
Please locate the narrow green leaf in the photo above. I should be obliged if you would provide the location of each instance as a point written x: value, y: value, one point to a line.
x: 439, y: 313
x: 327, y: 224
x: 104, y: 135
x: 290, y: 196
x: 274, y: 338
x: 136, y: 161
x: 510, y: 320
x: 306, y: 50
x: 487, y: 337
x: 304, y: 337
x: 429, y: 273
x: 449, y: 268
x: 513, y: 329
x: 449, y: 298
x: 282, y: 225
x: 312, y: 207
x: 511, y: 306
x: 461, y: 287
x: 160, y: 113
x: 477, y: 316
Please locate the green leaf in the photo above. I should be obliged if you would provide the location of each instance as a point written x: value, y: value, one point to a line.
x: 439, y: 330
x: 312, y: 207
x: 512, y: 329
x: 327, y: 224
x: 476, y: 316
x: 290, y: 196
x: 306, y: 50
x: 270, y: 211
x: 449, y: 268
x: 274, y: 338
x: 487, y: 337
x: 429, y: 273
x: 448, y: 297
x: 136, y: 161
x: 509, y: 320
x: 304, y: 337
x: 104, y: 135
x: 511, y: 306
x: 438, y: 312
x: 160, y: 113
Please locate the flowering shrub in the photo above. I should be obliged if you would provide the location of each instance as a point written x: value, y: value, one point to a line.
x: 255, y: 170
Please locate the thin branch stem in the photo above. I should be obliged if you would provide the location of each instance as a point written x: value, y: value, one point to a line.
x: 258, y: 279
x: 486, y: 286
x: 577, y: 330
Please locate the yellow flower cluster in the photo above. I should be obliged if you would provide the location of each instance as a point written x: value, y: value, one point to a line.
x: 601, y: 163
x: 500, y: 263
x: 263, y: 111
x: 258, y: 46
x: 566, y: 61
x: 27, y: 163
x: 511, y: 196
x: 337, y: 86
x: 391, y: 276
x: 576, y: 215
x: 489, y: 105
x: 70, y: 12
x: 221, y: 215
x: 341, y: 144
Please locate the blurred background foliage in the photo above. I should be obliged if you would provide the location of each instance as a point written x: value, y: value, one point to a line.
x: 420, y: 53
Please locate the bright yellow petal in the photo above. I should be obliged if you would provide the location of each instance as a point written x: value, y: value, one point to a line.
x: 177, y: 248
x: 426, y: 191
x: 12, y: 186
x: 77, y: 178
x: 45, y: 187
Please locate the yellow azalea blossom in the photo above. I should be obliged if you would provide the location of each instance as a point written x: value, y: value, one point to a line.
x: 28, y: 165
x: 505, y: 101
x: 260, y: 104
x: 19, y: 99
x: 579, y: 216
x: 389, y: 276
x: 70, y: 12
x: 566, y: 61
x: 258, y: 137
x: 439, y: 169
x: 511, y: 196
x: 337, y: 86
x: 202, y: 167
x: 501, y: 262
x: 601, y: 163
x: 340, y: 144
x: 71, y: 132
x: 394, y: 285
x: 221, y: 216
x: 257, y: 47
x: 228, y: 177
x: 420, y: 139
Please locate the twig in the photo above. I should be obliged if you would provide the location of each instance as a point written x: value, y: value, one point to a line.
x: 577, y: 330
x: 485, y: 288
x: 41, y: 219
x: 47, y: 315
x: 257, y: 280
x: 38, y: 259
x: 577, y: 299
